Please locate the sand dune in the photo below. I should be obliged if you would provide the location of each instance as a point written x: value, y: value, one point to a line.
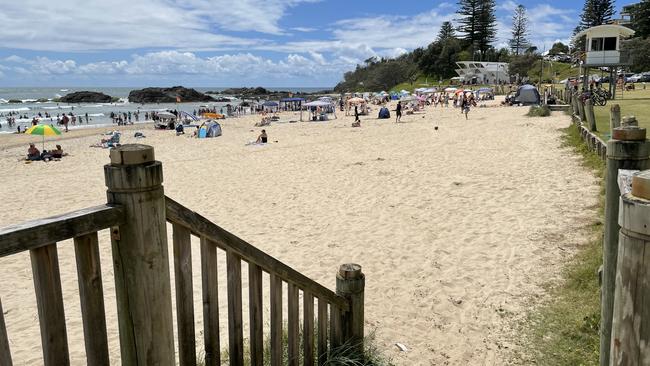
x: 455, y: 228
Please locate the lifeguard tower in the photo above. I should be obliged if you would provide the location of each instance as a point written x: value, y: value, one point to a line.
x: 603, y: 49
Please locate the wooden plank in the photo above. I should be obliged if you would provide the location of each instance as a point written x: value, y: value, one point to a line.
x: 91, y: 294
x: 49, y: 301
x: 322, y: 331
x: 184, y: 295
x: 255, y: 312
x: 293, y: 326
x: 336, y: 327
x: 200, y: 226
x: 36, y: 233
x: 210, y: 303
x: 5, y: 353
x: 308, y: 329
x: 276, y: 320
x: 235, y: 327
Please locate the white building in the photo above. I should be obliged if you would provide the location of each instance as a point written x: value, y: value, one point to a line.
x: 603, y: 44
x: 479, y: 72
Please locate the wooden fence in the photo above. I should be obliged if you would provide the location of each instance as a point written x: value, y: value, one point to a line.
x: 137, y: 213
x: 625, y: 319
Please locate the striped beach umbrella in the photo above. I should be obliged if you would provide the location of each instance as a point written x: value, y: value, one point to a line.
x: 43, y: 130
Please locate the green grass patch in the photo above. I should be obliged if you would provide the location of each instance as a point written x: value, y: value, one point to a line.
x: 539, y: 111
x: 346, y: 355
x: 634, y: 102
x: 564, y: 330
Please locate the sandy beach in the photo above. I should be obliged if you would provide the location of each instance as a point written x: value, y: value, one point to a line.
x: 456, y: 228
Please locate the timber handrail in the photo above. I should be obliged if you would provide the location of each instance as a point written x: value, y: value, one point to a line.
x: 202, y: 227
x: 37, y: 233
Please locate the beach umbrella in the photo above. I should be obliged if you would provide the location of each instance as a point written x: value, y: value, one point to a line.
x: 43, y: 130
x: 356, y: 100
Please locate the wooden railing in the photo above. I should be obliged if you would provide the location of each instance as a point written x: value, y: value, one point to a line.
x: 40, y: 238
x: 137, y: 214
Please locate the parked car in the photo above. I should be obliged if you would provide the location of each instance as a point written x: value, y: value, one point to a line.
x: 645, y: 77
x: 634, y: 78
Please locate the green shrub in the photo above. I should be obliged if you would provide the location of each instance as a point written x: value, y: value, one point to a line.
x: 539, y: 111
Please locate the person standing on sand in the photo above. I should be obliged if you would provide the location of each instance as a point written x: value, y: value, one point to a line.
x: 398, y: 112
x: 465, y: 104
x: 356, y: 114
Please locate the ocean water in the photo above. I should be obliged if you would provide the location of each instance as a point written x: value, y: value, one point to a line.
x: 99, y: 114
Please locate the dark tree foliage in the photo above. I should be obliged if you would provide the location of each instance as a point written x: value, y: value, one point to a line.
x: 522, y: 64
x: 519, y: 40
x: 596, y: 12
x: 380, y: 74
x: 641, y: 19
x: 558, y: 47
x: 477, y: 24
x: 446, y: 32
x: 639, y: 50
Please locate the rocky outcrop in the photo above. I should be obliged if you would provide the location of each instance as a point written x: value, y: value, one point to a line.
x: 246, y: 92
x: 167, y: 95
x: 86, y: 97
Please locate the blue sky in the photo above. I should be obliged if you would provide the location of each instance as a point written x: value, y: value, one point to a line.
x: 271, y: 43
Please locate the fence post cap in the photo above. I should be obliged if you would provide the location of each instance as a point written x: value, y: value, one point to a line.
x: 641, y: 184
x: 629, y: 133
x: 629, y: 121
x: 132, y: 154
x: 350, y: 271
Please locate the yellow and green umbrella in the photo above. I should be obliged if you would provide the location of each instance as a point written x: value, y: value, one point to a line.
x: 43, y: 130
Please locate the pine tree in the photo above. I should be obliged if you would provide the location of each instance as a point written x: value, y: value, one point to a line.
x: 446, y: 32
x: 519, y: 41
x: 596, y: 12
x: 487, y: 26
x: 477, y: 24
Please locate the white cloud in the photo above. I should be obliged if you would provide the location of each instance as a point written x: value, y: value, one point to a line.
x: 80, y: 25
x: 175, y: 64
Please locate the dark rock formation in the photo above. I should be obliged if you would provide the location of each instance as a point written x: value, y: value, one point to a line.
x: 86, y: 97
x: 167, y: 95
x: 246, y: 92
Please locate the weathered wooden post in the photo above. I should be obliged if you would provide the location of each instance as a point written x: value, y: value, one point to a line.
x: 350, y: 283
x: 614, y: 117
x: 581, y: 110
x: 589, y: 115
x: 628, y: 149
x: 631, y: 319
x: 140, y: 258
x: 5, y: 354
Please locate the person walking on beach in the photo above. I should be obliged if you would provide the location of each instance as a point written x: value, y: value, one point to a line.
x: 465, y: 104
x: 65, y: 121
x: 356, y: 114
x: 398, y: 112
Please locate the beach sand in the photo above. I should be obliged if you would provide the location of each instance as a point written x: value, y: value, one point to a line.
x: 456, y: 229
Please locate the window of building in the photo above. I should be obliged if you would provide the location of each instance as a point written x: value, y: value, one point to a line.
x: 596, y: 44
x: 603, y: 44
x: 610, y: 44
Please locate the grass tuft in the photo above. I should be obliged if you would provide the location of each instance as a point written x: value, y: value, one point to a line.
x: 539, y: 111
x: 345, y: 355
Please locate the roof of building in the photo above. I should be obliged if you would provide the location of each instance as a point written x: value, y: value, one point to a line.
x: 622, y: 31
